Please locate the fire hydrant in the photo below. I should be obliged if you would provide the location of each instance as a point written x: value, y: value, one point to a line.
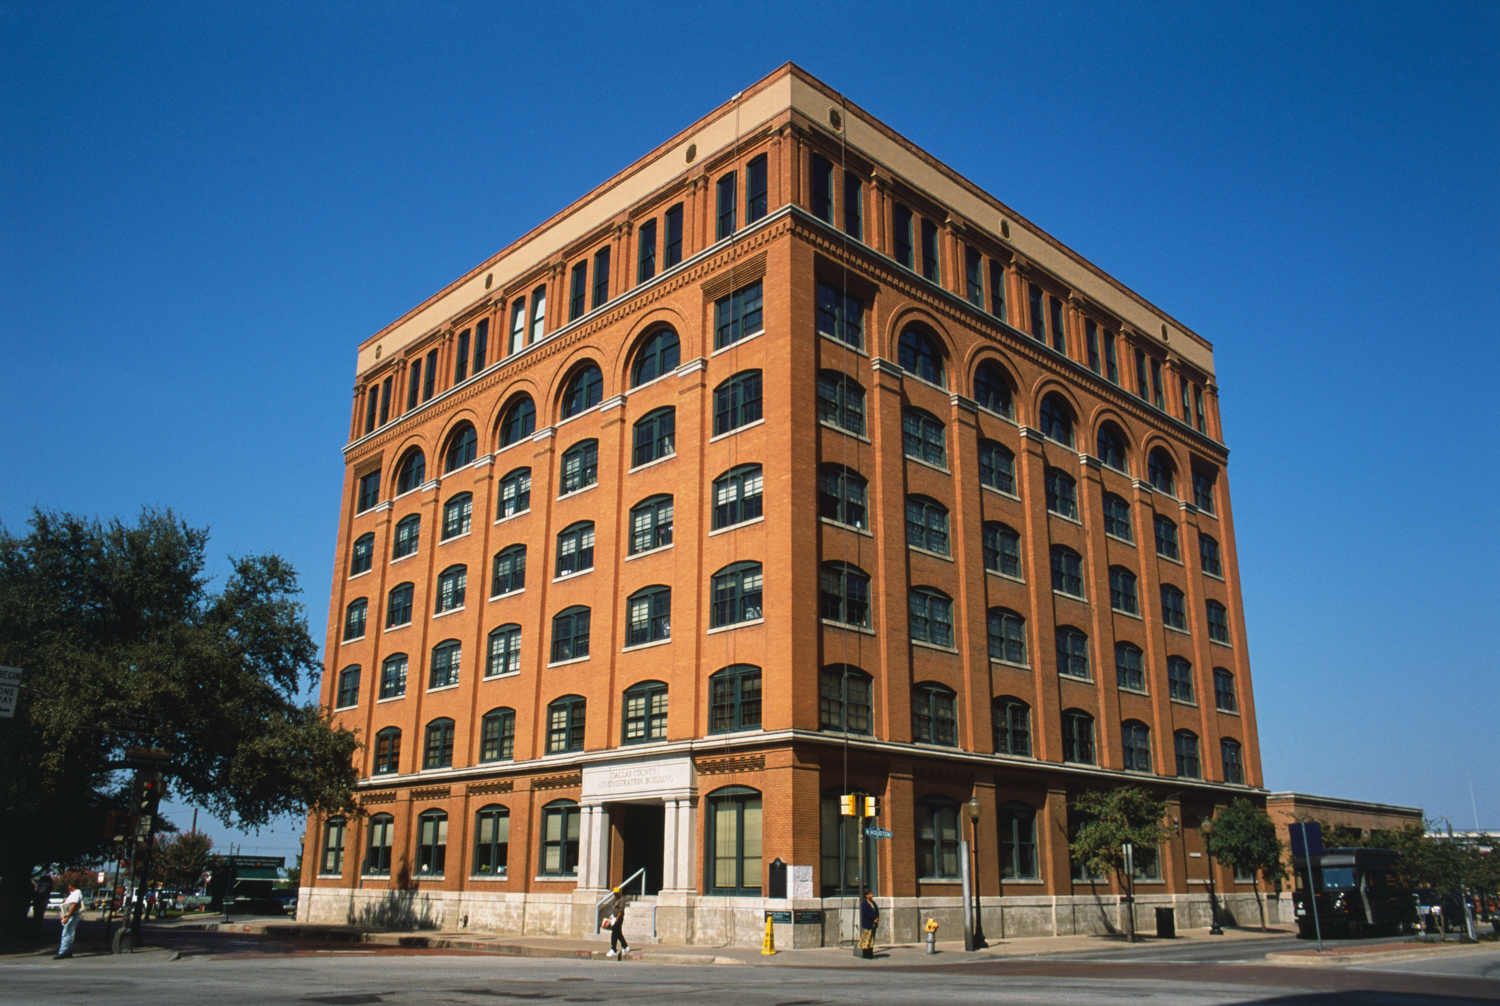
x: 932, y: 928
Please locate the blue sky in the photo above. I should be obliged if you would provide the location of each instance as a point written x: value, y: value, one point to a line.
x: 205, y: 207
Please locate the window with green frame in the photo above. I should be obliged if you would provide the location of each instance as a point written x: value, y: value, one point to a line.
x: 734, y: 841
x: 840, y: 837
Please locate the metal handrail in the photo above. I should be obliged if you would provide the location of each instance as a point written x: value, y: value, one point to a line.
x: 598, y: 905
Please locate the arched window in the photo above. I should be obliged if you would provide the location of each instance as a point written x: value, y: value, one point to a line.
x: 1224, y: 699
x: 648, y: 616
x: 737, y: 402
x: 1179, y: 679
x: 387, y: 752
x: 362, y: 555
x: 734, y: 835
x: 840, y: 838
x: 1057, y: 420
x: 432, y: 844
x: 651, y: 524
x: 841, y: 495
x: 491, y: 841
x: 655, y: 435
x: 1172, y: 611
x: 844, y: 594
x: 1122, y: 595
x: 734, y: 699
x: 463, y: 447
x: 438, y: 751
x: 841, y: 402
x: 347, y: 695
x: 446, y: 657
x: 378, y: 849
x: 1166, y: 536
x: 354, y: 619
x: 1067, y: 571
x: 931, y: 614
x: 398, y: 606
x: 922, y: 437
x: 510, y: 571
x: 504, y: 656
x: 645, y: 712
x: 992, y: 389
x: 452, y: 585
x: 584, y: 391
x: 1112, y: 448
x: 1218, y: 623
x: 458, y: 516
x: 1011, y: 719
x: 1017, y: 842
x: 412, y: 471
x: 570, y: 634
x: 1186, y: 744
x: 565, y: 721
x: 919, y: 356
x: 1208, y: 556
x: 1072, y: 652
x: 1130, y: 672
x: 575, y: 548
x: 937, y: 838
x: 736, y: 594
x: 1007, y: 636
x: 844, y: 699
x: 393, y: 676
x: 1136, y: 738
x: 408, y: 536
x: 1078, y: 737
x: 334, y: 833
x: 737, y: 496
x: 515, y: 493
x: 519, y: 422
x: 934, y: 715
x: 1117, y: 517
x: 659, y: 356
x: 1062, y: 493
x: 497, y: 735
x: 560, y: 821
x: 1002, y: 549
x: 1161, y: 472
x: 926, y: 524
x: 580, y: 466
x: 997, y: 466
x: 1203, y: 491
x: 1229, y: 756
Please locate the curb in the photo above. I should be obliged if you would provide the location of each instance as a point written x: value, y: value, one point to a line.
x: 1299, y: 958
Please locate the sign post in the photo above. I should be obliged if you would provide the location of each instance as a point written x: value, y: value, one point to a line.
x: 1128, y: 849
x: 10, y: 690
x: 1307, y: 841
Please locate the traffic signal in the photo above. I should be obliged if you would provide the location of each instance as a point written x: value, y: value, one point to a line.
x: 847, y: 804
x: 145, y: 802
x: 871, y: 808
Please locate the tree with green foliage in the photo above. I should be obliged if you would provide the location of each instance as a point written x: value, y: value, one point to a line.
x: 179, y: 860
x: 108, y: 620
x: 1110, y: 818
x: 1244, y: 836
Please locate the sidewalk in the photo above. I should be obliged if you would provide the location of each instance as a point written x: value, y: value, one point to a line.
x: 1372, y: 953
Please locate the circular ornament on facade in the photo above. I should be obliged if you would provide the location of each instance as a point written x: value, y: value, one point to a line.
x: 488, y: 279
x: 1004, y: 228
x: 377, y: 352
x: 835, y: 119
x: 692, y: 152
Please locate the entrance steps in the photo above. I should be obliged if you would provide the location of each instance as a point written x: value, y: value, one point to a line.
x: 638, y: 914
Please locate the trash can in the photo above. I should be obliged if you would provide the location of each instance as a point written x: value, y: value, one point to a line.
x: 1166, y: 924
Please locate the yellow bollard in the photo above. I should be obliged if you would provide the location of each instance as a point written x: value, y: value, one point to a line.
x: 769, y: 946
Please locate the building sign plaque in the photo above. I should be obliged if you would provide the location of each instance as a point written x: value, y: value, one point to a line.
x: 635, y: 779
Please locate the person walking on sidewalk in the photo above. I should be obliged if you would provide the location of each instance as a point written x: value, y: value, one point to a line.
x: 869, y: 918
x: 617, y: 927
x: 72, y: 910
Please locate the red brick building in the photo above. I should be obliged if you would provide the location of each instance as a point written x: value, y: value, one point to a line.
x: 784, y: 464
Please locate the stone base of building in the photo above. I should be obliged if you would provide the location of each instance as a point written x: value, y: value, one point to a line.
x: 685, y: 918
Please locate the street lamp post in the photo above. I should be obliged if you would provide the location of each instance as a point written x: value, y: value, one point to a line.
x: 973, y: 805
x: 1207, y: 830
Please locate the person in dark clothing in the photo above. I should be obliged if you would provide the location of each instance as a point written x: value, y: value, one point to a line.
x: 869, y: 918
x: 40, y: 895
x: 617, y: 928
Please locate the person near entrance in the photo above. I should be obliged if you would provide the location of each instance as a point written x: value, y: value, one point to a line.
x: 616, y: 923
x: 869, y: 918
x: 72, y: 909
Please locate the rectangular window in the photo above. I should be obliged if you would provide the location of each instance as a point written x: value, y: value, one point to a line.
x: 1038, y: 318
x: 930, y: 251
x: 414, y: 384
x: 974, y: 273
x: 901, y: 220
x: 369, y: 491
x: 431, y: 384
x: 538, y: 312
x: 481, y: 343
x: 756, y: 191
x: 1224, y: 691
x: 739, y: 315
x: 727, y: 194
x: 1187, y: 409
x: 372, y: 403
x: 997, y: 289
x: 822, y: 188
x: 1111, y: 366
x: 1198, y: 401
x: 385, y: 400
x: 517, y: 326
x: 461, y: 358
x: 1140, y: 377
x: 333, y: 848
x: 854, y: 209
x: 645, y: 264
x: 560, y: 841
x: 1156, y: 389
x: 579, y: 293
x: 1091, y: 335
x: 840, y: 317
x: 601, y: 277
x: 1059, y: 334
x: 672, y: 240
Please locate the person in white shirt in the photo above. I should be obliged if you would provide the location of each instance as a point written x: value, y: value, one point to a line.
x: 72, y: 911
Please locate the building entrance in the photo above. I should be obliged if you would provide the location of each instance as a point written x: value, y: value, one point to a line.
x: 642, y: 832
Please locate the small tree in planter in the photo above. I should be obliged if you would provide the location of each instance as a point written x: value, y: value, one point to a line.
x: 1112, y: 817
x: 1245, y: 837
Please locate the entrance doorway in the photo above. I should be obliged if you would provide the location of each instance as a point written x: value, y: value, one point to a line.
x: 642, y: 831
